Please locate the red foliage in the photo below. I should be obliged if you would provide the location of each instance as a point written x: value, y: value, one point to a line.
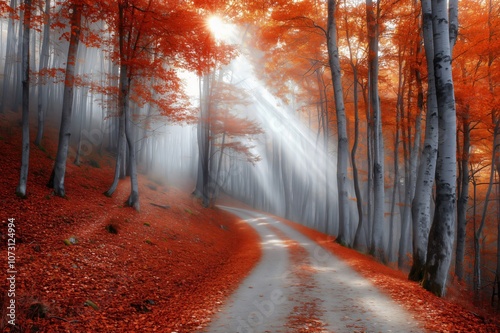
x: 166, y: 269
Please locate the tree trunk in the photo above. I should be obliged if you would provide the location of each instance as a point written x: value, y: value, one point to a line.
x: 396, y: 182
x: 411, y: 179
x: 58, y: 173
x: 120, y: 156
x: 82, y: 109
x: 478, y: 234
x: 440, y: 246
x: 369, y: 167
x: 23, y: 179
x: 205, y: 140
x: 10, y: 62
x: 421, y: 204
x: 44, y: 63
x: 476, y: 280
x: 124, y: 108
x: 216, y: 186
x: 359, y: 244
x: 453, y: 26
x: 395, y: 187
x: 492, y: 89
x: 463, y: 200
x: 286, y: 180
x: 133, y: 199
x: 16, y: 93
x: 344, y: 235
x: 377, y: 248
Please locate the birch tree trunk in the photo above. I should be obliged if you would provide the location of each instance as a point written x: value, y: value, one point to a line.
x: 344, y: 235
x: 25, y: 157
x: 453, y: 26
x: 58, y: 173
x: 441, y: 236
x: 421, y: 204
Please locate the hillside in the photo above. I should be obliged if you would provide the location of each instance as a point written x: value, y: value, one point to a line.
x: 163, y: 269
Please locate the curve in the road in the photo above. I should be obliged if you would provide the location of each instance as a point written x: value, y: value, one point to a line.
x: 299, y: 287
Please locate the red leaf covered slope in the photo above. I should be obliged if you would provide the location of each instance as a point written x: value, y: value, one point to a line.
x: 164, y: 269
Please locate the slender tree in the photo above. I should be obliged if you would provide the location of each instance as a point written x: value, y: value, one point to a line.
x: 44, y: 63
x: 120, y: 157
x: 11, y: 55
x: 204, y: 141
x: 23, y: 179
x: 344, y: 235
x: 361, y: 241
x: 56, y: 180
x: 377, y: 248
x: 441, y: 235
x: 421, y: 204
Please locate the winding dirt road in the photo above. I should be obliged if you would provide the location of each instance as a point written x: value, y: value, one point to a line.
x: 299, y: 287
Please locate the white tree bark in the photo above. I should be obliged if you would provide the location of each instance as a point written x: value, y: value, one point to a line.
x: 441, y: 236
x: 421, y: 205
x: 453, y: 29
x: 344, y: 235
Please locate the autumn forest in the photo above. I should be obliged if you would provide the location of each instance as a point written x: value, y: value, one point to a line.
x: 156, y: 127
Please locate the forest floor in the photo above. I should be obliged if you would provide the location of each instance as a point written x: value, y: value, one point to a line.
x: 87, y: 263
x: 163, y: 269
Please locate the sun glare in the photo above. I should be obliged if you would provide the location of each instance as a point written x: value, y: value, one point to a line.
x: 219, y: 28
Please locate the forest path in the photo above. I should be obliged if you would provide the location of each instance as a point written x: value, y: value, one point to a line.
x: 300, y: 287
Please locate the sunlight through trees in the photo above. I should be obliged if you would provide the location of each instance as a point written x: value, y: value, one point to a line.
x: 373, y: 121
